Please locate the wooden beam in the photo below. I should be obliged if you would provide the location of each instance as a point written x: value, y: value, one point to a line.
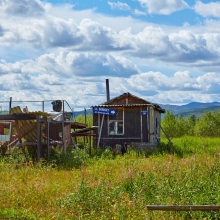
x: 18, y: 117
x: 82, y: 134
x: 38, y: 138
x: 184, y: 207
x: 100, y: 131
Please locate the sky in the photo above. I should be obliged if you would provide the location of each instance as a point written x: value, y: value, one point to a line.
x: 166, y: 52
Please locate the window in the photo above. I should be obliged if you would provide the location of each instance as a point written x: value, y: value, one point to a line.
x: 116, y: 125
x: 5, y: 131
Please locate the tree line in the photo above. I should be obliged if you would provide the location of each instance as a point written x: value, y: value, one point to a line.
x: 204, y: 125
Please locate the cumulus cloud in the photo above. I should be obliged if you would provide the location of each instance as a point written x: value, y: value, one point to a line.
x: 177, y: 88
x: 119, y: 5
x: 1, y: 31
x: 139, y: 13
x: 156, y: 81
x: 53, y: 32
x: 71, y: 64
x: 89, y: 64
x: 73, y: 53
x: 23, y: 8
x: 210, y: 82
x: 186, y: 87
x: 190, y: 47
x: 164, y: 7
x: 53, y: 76
x: 153, y: 42
x: 56, y: 32
x: 99, y: 37
x: 211, y: 9
x: 61, y: 33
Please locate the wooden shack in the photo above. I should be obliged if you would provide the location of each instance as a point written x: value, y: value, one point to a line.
x: 127, y: 119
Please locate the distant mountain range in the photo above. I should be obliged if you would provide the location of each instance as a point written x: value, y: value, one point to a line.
x: 77, y: 113
x: 193, y: 108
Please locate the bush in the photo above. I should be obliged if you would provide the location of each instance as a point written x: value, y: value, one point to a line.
x: 206, y: 125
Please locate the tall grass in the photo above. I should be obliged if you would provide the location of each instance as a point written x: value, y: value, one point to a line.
x: 103, y: 186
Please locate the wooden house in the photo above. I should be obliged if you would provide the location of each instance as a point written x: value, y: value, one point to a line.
x: 127, y: 119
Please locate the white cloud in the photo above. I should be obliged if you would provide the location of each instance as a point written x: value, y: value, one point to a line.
x: 59, y: 49
x: 68, y: 12
x: 56, y: 32
x: 199, y: 49
x: 210, y: 82
x: 211, y: 9
x: 181, y: 87
x: 72, y: 64
x: 53, y: 76
x: 156, y: 81
x: 190, y: 47
x: 22, y: 8
x: 139, y: 13
x: 164, y: 7
x: 151, y: 42
x: 119, y: 5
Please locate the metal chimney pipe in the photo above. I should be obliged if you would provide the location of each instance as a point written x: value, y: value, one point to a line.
x: 107, y: 90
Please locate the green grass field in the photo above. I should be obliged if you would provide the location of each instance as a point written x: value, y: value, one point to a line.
x: 108, y: 187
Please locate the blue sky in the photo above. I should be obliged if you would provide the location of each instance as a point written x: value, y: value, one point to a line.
x: 166, y: 52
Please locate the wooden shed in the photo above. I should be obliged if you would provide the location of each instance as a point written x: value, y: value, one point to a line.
x: 127, y: 119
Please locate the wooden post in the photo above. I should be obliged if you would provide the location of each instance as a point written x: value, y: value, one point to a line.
x: 63, y: 138
x: 100, y: 130
x: 38, y: 138
x: 167, y: 136
x: 141, y: 125
x: 90, y: 143
x: 149, y: 123
x: 85, y: 123
x: 42, y: 106
x: 10, y: 104
x: 48, y: 139
x: 10, y: 134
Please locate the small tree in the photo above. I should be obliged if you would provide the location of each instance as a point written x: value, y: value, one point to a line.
x: 208, y: 124
x: 169, y: 124
x: 191, y: 122
x: 178, y: 126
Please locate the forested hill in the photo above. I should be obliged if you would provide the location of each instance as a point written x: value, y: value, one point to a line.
x: 193, y: 108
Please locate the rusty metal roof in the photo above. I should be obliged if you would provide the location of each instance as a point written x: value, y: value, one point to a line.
x: 127, y: 95
x: 124, y: 95
x: 122, y: 105
x: 132, y: 105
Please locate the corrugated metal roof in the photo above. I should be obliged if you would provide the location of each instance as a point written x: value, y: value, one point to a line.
x: 123, y: 105
x: 156, y: 106
x: 109, y: 104
x: 124, y: 95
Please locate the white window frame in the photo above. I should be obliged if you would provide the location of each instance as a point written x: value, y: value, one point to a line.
x: 116, y: 123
